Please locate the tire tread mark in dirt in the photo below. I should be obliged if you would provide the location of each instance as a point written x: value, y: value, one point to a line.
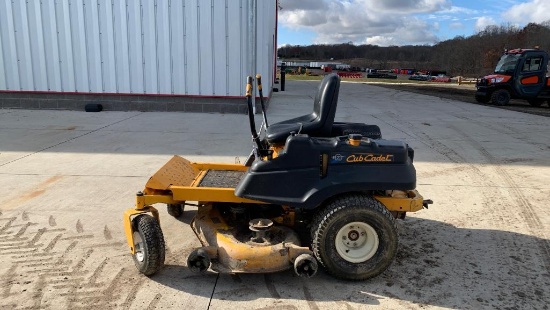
x: 97, y: 271
x: 78, y: 267
x: 23, y: 229
x: 131, y: 295
x: 154, y: 302
x: 7, y: 225
x: 39, y: 292
x: 79, y: 227
x: 7, y: 280
x: 52, y: 267
x: 108, y: 245
x: 52, y: 243
x: 107, y: 233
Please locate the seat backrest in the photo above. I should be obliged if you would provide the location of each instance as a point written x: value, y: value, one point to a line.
x: 324, y: 106
x: 319, y: 122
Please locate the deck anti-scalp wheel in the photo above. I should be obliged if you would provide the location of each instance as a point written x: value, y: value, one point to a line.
x: 148, y: 244
x: 354, y: 237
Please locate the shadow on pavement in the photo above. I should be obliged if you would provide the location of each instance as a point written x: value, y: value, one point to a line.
x: 438, y: 264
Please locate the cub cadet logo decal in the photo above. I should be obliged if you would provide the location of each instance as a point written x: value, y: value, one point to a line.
x: 360, y: 158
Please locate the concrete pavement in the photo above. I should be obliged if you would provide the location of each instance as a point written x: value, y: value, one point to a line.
x: 67, y: 176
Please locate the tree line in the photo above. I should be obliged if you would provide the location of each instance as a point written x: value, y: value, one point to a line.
x: 471, y: 56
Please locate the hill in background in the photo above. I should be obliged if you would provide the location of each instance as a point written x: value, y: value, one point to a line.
x: 471, y: 56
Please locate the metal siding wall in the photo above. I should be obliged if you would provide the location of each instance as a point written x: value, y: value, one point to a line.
x: 122, y: 58
x: 22, y: 42
x: 51, y: 46
x: 244, y: 44
x: 266, y: 30
x: 177, y: 52
x: 66, y: 60
x: 164, y: 47
x: 135, y: 46
x: 149, y: 46
x: 7, y: 35
x: 93, y: 45
x: 235, y: 44
x: 261, y: 51
x: 191, y: 47
x: 220, y: 53
x: 3, y: 84
x: 37, y: 45
x: 106, y: 37
x: 206, y: 60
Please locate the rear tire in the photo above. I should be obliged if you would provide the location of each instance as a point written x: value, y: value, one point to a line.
x: 149, y: 246
x: 354, y: 237
x: 500, y: 97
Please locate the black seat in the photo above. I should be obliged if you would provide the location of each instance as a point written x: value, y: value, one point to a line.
x: 319, y: 122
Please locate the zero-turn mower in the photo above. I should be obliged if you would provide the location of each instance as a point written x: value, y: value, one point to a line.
x: 312, y: 191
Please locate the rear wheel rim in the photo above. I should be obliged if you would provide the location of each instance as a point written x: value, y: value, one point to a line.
x: 139, y: 250
x: 356, y: 242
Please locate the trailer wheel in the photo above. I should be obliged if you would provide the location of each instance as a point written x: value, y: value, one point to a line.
x: 175, y: 210
x: 482, y: 99
x: 354, y: 237
x: 149, y: 244
x: 500, y: 97
x: 535, y: 102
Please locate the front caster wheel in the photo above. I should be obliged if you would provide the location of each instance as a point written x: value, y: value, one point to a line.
x: 149, y: 247
x: 354, y: 237
x: 175, y: 210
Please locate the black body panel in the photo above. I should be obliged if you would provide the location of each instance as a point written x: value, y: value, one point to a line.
x: 297, y: 178
x: 344, y: 129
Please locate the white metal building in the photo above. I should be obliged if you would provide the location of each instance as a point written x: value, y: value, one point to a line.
x: 185, y: 48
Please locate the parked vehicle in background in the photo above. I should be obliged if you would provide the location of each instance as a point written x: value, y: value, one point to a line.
x: 519, y: 74
x: 381, y: 74
x: 441, y: 78
x: 420, y: 77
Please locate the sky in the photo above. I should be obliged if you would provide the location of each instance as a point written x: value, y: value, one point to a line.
x: 399, y: 22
